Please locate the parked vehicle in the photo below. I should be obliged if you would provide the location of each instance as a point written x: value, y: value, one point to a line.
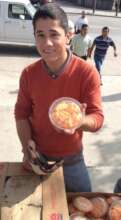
x: 38, y: 3
x: 16, y: 22
x: 41, y: 2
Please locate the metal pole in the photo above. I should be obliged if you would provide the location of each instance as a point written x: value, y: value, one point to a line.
x: 94, y: 6
x: 117, y: 5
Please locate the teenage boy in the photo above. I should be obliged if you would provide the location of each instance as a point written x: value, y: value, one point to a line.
x: 58, y: 73
x: 101, y: 44
x: 81, y: 43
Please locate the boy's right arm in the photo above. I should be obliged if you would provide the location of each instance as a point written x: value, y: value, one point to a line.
x: 91, y: 49
x: 22, y: 111
x: 24, y: 134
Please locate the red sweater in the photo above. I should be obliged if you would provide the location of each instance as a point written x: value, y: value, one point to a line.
x: 38, y: 90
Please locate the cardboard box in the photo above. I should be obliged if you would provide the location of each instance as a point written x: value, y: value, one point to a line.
x: 24, y: 195
x: 71, y: 196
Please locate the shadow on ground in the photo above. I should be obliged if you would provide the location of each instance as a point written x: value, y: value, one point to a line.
x: 112, y: 97
x: 10, y: 50
x: 105, y: 175
x: 109, y: 148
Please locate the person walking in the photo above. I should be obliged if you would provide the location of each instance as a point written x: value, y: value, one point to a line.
x: 117, y: 186
x: 71, y: 30
x: 101, y: 44
x: 81, y: 43
x: 117, y: 6
x: 58, y: 73
x: 80, y: 21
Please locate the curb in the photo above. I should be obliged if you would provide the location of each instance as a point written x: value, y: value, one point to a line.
x: 90, y: 14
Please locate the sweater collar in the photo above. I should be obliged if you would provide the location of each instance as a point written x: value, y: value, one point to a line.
x: 55, y: 74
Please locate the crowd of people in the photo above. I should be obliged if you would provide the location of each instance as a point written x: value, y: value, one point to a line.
x: 82, y: 45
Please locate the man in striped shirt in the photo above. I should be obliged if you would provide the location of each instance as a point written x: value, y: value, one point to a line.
x: 101, y: 44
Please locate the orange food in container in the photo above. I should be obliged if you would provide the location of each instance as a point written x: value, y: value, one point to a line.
x: 65, y: 113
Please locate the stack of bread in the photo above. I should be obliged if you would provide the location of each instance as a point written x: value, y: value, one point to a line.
x: 95, y: 208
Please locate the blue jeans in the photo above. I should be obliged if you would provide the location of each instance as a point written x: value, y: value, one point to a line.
x: 98, y: 62
x: 117, y: 188
x: 76, y: 177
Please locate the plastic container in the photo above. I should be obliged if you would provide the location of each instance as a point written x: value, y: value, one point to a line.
x: 65, y: 113
x: 77, y: 216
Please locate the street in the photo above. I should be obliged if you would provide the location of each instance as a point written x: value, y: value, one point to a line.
x: 100, y: 149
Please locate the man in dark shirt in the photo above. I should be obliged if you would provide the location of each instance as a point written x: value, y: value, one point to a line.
x: 101, y: 44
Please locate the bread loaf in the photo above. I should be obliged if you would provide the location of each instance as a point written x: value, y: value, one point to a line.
x: 115, y: 210
x: 100, y: 207
x: 72, y: 209
x: 78, y: 217
x: 111, y: 199
x: 83, y: 204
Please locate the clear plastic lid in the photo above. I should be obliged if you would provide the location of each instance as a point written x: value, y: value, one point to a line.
x: 65, y: 113
x: 77, y: 216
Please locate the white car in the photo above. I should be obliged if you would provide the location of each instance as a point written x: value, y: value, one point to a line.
x: 16, y: 22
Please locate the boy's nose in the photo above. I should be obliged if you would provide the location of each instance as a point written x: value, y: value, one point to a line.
x: 48, y: 41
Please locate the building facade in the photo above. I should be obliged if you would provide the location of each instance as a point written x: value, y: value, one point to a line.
x: 99, y: 4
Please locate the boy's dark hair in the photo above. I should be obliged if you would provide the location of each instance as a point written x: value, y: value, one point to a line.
x: 52, y: 11
x: 105, y: 28
x: 84, y: 25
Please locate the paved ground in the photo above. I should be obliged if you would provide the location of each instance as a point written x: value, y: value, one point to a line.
x: 102, y: 149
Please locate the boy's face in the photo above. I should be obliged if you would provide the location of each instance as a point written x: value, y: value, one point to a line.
x: 105, y: 32
x: 50, y: 40
x: 84, y: 31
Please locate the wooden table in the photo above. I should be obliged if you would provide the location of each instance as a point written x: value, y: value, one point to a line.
x: 24, y: 196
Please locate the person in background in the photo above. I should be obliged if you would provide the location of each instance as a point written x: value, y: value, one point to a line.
x: 80, y: 21
x: 117, y: 187
x: 58, y: 73
x: 101, y: 45
x: 81, y: 43
x: 71, y: 29
x: 117, y: 2
x: 71, y: 33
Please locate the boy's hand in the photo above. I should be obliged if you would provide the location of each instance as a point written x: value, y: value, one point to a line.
x: 115, y: 54
x: 27, y: 157
x: 38, y: 163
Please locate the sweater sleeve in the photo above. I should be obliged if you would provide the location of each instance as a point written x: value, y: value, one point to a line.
x: 23, y: 106
x: 92, y: 97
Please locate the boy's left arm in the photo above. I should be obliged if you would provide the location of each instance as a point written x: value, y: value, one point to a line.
x: 114, y: 47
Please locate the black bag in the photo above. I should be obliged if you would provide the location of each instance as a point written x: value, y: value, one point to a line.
x: 39, y: 163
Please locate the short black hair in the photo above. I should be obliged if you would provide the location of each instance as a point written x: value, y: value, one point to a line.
x: 105, y: 28
x: 52, y: 11
x: 84, y: 25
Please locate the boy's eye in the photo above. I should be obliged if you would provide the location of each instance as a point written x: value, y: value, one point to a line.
x: 55, y: 35
x: 40, y: 35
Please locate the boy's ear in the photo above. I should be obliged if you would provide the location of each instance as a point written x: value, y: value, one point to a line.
x: 68, y: 37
